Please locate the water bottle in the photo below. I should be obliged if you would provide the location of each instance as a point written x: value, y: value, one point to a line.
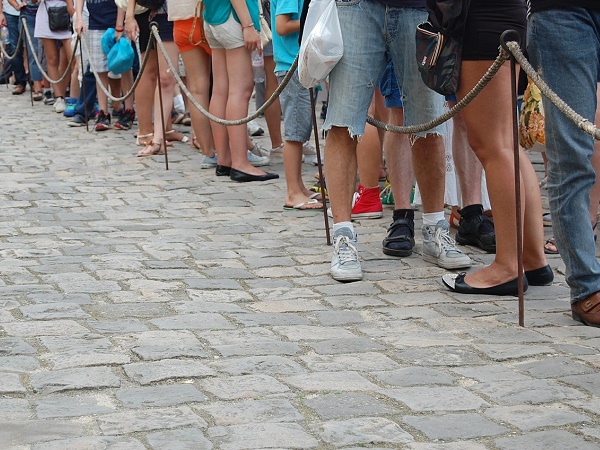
x: 5, y: 38
x: 258, y: 66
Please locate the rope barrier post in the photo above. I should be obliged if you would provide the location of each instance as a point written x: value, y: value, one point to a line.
x: 505, y: 37
x: 319, y: 165
x: 153, y: 28
x: 81, y: 61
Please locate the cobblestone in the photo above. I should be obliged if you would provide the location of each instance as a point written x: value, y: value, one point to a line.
x: 144, y: 308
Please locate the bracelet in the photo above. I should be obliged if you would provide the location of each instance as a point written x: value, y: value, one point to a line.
x: 248, y: 26
x: 119, y: 30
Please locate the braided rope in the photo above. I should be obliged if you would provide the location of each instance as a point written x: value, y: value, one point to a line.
x: 19, y: 43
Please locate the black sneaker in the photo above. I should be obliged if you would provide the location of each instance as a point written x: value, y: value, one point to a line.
x: 77, y: 121
x: 125, y: 121
x: 400, y: 239
x: 476, y: 229
x: 48, y: 98
x: 102, y: 121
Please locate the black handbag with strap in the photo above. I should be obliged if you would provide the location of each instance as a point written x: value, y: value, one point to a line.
x: 58, y: 18
x: 439, y: 44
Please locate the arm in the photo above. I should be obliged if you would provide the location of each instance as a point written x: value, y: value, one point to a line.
x: 284, y: 25
x: 120, y: 25
x: 70, y: 7
x: 251, y: 39
x: 131, y: 26
x: 17, y: 5
x: 79, y: 25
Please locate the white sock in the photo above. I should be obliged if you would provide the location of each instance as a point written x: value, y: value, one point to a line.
x: 433, y: 218
x: 337, y: 226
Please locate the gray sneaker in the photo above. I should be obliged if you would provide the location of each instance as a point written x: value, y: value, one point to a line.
x: 439, y: 248
x: 345, y: 265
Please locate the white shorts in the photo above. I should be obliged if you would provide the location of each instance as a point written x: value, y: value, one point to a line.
x: 227, y: 35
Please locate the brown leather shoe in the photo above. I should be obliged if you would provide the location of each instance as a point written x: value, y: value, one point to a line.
x: 587, y: 311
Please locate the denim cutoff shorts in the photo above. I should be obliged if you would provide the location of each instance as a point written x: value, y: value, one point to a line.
x: 296, y: 109
x: 371, y: 31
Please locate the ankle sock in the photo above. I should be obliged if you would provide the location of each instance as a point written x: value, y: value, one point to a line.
x: 337, y: 226
x: 433, y: 218
x: 403, y: 214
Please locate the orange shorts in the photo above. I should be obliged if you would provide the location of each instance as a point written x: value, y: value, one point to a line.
x: 181, y: 35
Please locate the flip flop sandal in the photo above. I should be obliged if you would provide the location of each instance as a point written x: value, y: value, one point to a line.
x: 38, y: 96
x: 547, y: 249
x: 304, y: 206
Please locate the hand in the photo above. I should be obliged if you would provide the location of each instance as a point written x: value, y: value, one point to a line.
x: 2, y: 19
x: 251, y: 39
x: 131, y: 28
x: 79, y: 26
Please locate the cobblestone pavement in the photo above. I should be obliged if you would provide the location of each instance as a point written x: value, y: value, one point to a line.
x: 153, y: 309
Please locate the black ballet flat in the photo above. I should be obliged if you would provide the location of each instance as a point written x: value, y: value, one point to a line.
x: 222, y: 171
x: 243, y: 177
x: 540, y: 277
x: 459, y: 285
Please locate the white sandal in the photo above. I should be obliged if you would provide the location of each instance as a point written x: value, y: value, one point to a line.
x: 143, y: 136
x: 183, y: 139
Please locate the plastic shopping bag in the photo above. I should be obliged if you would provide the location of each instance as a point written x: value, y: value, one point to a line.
x: 322, y: 45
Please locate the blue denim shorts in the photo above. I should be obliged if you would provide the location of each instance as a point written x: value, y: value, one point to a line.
x: 372, y: 31
x: 388, y: 86
x: 296, y: 109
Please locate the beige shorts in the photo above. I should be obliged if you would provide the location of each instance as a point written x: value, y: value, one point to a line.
x: 227, y: 35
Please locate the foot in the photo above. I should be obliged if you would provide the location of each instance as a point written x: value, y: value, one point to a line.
x: 173, y: 135
x: 439, y: 248
x: 345, y: 265
x: 550, y: 247
x: 302, y: 202
x: 366, y: 203
x: 143, y: 139
x: 153, y: 148
x: 587, y: 311
x: 476, y: 229
x: 18, y: 90
x: 457, y: 283
x: 400, y: 239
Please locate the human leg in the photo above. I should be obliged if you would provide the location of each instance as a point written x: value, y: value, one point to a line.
x: 566, y: 38
x: 16, y: 64
x: 218, y: 105
x: 144, y: 99
x: 273, y: 112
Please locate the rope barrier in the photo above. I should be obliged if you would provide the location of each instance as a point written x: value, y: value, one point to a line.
x: 19, y: 43
x: 511, y: 47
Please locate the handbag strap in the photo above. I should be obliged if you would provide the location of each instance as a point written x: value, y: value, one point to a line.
x: 198, y: 11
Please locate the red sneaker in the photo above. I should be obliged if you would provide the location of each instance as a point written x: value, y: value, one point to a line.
x: 366, y: 203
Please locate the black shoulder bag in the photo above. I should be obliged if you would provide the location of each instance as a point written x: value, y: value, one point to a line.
x: 439, y: 44
x: 58, y: 18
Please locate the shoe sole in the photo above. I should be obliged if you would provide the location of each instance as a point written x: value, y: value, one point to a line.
x: 261, y: 164
x: 475, y: 243
x: 371, y: 215
x: 342, y: 277
x: 450, y: 265
x: 398, y: 253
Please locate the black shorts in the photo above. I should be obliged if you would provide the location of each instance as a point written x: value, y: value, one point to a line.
x: 165, y: 28
x: 486, y: 21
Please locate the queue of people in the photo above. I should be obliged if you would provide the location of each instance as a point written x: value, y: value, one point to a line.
x: 216, y: 42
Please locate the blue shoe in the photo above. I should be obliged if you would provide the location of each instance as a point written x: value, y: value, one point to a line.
x: 70, y: 111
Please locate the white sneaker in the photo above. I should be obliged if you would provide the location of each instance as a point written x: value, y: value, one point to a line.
x: 309, y: 154
x: 439, y: 248
x: 254, y: 129
x: 258, y: 161
x: 345, y: 265
x: 208, y: 162
x: 260, y: 151
x: 60, y: 105
x: 278, y: 149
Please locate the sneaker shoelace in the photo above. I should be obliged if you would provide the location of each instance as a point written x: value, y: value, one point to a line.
x: 345, y: 250
x: 447, y: 244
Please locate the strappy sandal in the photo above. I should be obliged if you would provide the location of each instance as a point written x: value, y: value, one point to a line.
x: 38, y: 96
x: 140, y: 139
x: 151, y: 149
x: 550, y: 247
x: 183, y: 139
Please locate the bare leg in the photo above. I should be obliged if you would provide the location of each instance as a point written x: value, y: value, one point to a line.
x: 429, y: 163
x: 340, y: 154
x: 369, y: 150
x: 399, y: 164
x: 218, y: 104
x: 273, y: 112
x: 144, y: 100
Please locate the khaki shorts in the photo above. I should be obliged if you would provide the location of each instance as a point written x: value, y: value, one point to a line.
x: 227, y: 35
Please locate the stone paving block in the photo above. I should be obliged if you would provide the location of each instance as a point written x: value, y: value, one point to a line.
x: 313, y: 333
x: 167, y: 395
x: 205, y: 321
x: 455, y: 426
x: 92, y: 442
x: 133, y: 421
x: 258, y: 348
x: 474, y: 310
x: 589, y: 405
x: 18, y: 364
x: 432, y: 398
x: 360, y: 362
x: 416, y: 298
x: 544, y: 440
x: 256, y: 411
x: 88, y: 350
x: 22, y: 432
x: 588, y: 382
x: 259, y: 319
x: 345, y: 345
x: 592, y: 432
x: 505, y: 352
x: 245, y: 386
x: 440, y: 356
x: 337, y: 318
x: 554, y: 368
x: 331, y: 381
x: 184, y: 439
x: 286, y: 306
x: 461, y: 445
x: 221, y: 296
x: 508, y: 336
x: 218, y: 284
x: 155, y: 345
x: 533, y: 392
x: 11, y: 384
x: 53, y: 407
x: 460, y: 324
x: 262, y: 435
x: 116, y: 326
x: 364, y: 430
x: 81, y: 282
x: 73, y: 379
x: 127, y: 311
x: 48, y: 311
x: 490, y: 373
x: 414, y: 376
x: 347, y: 405
x: 268, y: 365
x: 194, y: 306
x: 14, y: 409
x: 353, y: 302
x: 165, y: 369
x: 527, y: 418
x: 33, y: 328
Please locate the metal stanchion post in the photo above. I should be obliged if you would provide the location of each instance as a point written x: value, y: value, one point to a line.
x: 160, y: 98
x: 505, y: 37
x: 83, y: 70
x: 319, y: 165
